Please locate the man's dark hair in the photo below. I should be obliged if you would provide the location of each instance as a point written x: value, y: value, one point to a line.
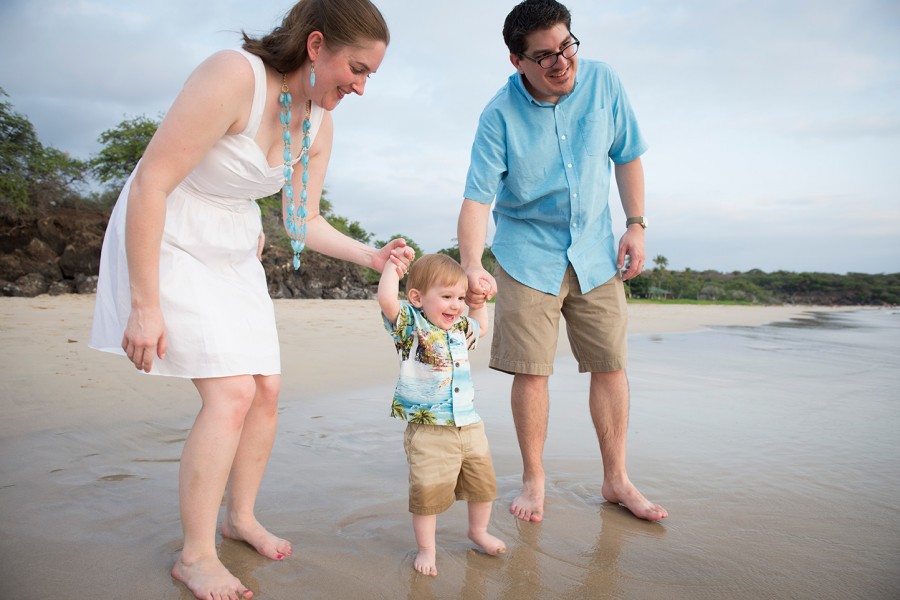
x: 529, y: 16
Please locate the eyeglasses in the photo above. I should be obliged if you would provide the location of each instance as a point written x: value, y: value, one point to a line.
x: 548, y: 60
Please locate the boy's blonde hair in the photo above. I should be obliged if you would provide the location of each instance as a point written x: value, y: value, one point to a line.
x: 434, y: 269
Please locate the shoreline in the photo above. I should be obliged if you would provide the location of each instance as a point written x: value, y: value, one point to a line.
x: 52, y: 379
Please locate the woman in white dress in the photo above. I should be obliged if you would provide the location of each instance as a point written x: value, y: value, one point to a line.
x: 182, y: 291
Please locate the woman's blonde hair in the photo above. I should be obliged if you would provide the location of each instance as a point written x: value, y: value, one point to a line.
x: 433, y: 270
x: 342, y: 23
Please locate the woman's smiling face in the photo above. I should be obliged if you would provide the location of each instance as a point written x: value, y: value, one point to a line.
x: 344, y: 71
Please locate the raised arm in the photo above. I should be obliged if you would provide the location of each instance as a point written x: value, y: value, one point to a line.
x: 480, y: 314
x: 388, y: 293
x: 630, y: 181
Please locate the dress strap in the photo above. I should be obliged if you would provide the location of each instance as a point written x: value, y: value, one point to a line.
x: 259, y: 93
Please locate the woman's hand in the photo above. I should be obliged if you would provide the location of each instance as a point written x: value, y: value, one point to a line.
x: 260, y: 244
x: 145, y: 336
x: 397, y: 253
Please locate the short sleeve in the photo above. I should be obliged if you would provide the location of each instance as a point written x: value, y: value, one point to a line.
x: 487, y: 165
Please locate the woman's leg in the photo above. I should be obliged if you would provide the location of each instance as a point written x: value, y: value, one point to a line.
x: 205, y: 463
x: 250, y: 462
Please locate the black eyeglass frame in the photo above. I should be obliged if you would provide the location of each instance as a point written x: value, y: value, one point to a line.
x: 554, y: 55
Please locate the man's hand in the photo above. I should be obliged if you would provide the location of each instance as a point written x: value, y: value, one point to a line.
x: 632, y: 246
x: 482, y: 287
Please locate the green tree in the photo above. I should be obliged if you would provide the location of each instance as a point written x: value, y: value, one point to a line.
x: 349, y: 228
x: 123, y: 146
x: 409, y: 242
x: 661, y: 262
x: 32, y: 175
x: 487, y: 257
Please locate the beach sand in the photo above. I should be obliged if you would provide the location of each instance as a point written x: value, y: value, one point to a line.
x: 89, y: 454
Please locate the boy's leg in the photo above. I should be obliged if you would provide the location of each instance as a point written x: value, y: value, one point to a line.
x: 479, y: 517
x: 424, y: 527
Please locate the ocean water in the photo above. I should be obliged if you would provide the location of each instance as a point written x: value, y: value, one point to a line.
x: 776, y: 450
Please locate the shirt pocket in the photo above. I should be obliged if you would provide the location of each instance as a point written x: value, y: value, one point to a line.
x: 596, y: 132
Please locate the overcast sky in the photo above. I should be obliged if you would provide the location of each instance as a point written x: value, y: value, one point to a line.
x: 773, y: 125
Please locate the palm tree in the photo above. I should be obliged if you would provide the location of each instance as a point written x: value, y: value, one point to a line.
x: 423, y: 416
x: 397, y: 410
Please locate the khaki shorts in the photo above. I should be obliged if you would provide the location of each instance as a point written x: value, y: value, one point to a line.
x: 447, y: 464
x: 526, y: 325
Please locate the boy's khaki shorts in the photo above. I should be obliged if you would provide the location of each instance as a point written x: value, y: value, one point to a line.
x: 526, y: 325
x: 446, y: 464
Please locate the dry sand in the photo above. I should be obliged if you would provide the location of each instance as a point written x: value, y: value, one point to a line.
x: 52, y: 379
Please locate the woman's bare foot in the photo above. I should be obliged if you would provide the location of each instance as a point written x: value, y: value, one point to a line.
x: 209, y: 579
x: 628, y: 496
x: 490, y: 544
x: 425, y: 562
x: 529, y: 504
x: 256, y: 535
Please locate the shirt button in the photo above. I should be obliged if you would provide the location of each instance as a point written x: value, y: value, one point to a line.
x: 456, y: 390
x: 457, y: 364
x: 575, y: 195
x: 575, y: 225
x: 569, y: 165
x: 562, y: 137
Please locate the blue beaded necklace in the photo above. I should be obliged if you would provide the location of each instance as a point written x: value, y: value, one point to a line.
x: 295, y: 219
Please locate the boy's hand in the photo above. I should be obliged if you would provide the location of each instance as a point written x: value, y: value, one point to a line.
x: 482, y: 287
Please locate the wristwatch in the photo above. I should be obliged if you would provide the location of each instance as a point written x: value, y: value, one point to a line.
x: 642, y: 221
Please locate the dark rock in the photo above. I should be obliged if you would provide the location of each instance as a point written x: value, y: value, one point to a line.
x: 59, y: 253
x: 58, y: 288
x: 83, y: 259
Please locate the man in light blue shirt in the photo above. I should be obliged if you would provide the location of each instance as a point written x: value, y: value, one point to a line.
x: 542, y: 155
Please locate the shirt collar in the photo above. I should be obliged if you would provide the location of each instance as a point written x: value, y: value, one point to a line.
x: 518, y: 83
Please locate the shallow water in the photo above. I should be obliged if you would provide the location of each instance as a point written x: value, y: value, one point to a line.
x: 775, y: 450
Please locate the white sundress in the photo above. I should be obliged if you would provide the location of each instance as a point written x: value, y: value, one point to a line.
x: 219, y: 318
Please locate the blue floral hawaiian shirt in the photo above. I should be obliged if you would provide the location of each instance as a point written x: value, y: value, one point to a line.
x: 435, y: 382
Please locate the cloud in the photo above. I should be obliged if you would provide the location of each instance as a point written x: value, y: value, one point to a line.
x: 751, y: 108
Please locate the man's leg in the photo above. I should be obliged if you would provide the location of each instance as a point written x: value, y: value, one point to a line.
x: 530, y: 407
x: 609, y: 412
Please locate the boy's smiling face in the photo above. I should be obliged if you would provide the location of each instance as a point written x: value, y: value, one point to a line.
x: 442, y: 304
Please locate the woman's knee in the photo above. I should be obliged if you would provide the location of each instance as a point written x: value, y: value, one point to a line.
x: 231, y: 395
x: 267, y: 389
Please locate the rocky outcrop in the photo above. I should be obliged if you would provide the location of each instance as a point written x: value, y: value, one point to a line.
x: 59, y: 253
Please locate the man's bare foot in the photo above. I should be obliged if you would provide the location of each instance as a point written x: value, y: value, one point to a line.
x: 425, y: 562
x: 529, y: 505
x: 257, y: 536
x: 490, y: 544
x: 628, y: 496
x: 209, y: 579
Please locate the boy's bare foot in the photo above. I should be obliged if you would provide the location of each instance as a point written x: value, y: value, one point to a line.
x: 425, y: 562
x: 490, y: 544
x: 627, y: 495
x: 529, y: 505
x: 210, y: 579
x: 257, y: 536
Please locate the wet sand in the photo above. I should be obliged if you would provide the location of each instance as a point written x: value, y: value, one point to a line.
x: 90, y: 447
